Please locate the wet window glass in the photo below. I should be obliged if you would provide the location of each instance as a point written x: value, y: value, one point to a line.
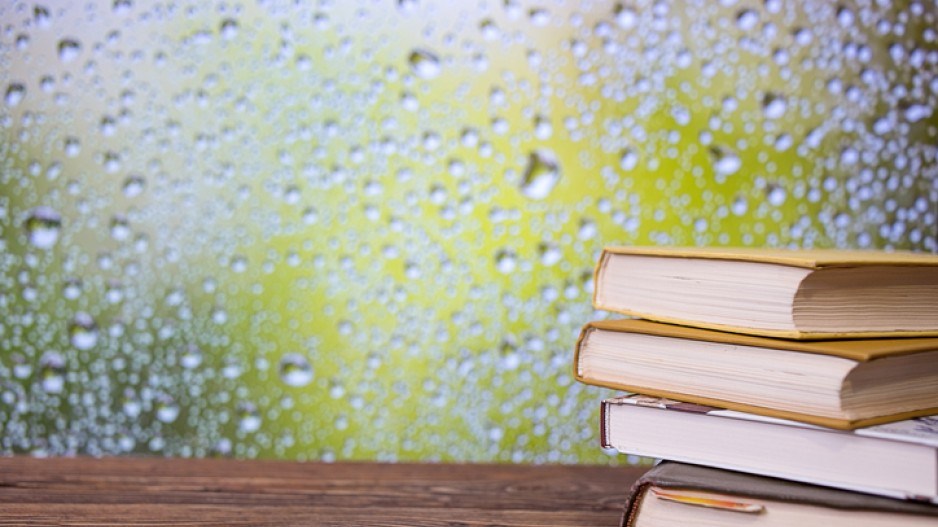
x: 366, y: 230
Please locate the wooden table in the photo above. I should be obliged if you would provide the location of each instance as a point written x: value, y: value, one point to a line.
x: 148, y: 491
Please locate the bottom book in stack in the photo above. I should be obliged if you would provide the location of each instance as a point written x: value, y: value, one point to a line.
x: 676, y: 494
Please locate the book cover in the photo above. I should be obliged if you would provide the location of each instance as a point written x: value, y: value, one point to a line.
x: 858, y: 350
x: 898, y: 460
x: 816, y: 293
x: 749, y: 493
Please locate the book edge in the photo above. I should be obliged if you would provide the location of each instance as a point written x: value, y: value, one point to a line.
x: 810, y: 259
x: 903, y: 346
x: 793, y: 335
x: 719, y: 404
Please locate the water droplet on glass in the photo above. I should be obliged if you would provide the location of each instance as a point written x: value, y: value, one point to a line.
x: 747, y: 19
x: 69, y: 49
x: 773, y: 105
x: 52, y: 372
x: 776, y: 195
x: 587, y: 230
x: 42, y: 16
x: 488, y: 29
x: 239, y: 264
x: 424, y: 63
x: 550, y: 253
x: 72, y: 288
x: 628, y: 159
x: 505, y: 260
x: 72, y: 146
x: 131, y: 405
x: 626, y: 17
x: 917, y: 112
x: 166, y: 409
x: 542, y: 127
x: 725, y: 161
x: 83, y: 331
x: 295, y: 370
x: 845, y: 16
x: 42, y: 227
x: 191, y: 358
x: 15, y: 93
x: 849, y: 156
x: 133, y: 186
x: 539, y: 17
x: 115, y: 292
x: 122, y: 6
x: 249, y: 417
x: 229, y: 28
x: 120, y: 228
x: 541, y: 174
x: 232, y: 368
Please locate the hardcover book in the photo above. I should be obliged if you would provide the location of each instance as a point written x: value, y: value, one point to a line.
x: 680, y: 494
x: 801, y: 294
x: 837, y: 383
x: 898, y: 460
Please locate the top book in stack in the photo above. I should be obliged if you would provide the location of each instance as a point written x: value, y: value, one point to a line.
x: 796, y: 294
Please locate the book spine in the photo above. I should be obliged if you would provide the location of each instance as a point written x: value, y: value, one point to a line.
x: 604, y: 424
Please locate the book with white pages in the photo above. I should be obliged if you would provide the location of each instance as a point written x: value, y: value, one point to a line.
x: 898, y: 460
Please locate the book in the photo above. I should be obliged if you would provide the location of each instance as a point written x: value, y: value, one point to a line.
x: 679, y: 494
x: 898, y: 460
x: 800, y: 294
x: 835, y: 383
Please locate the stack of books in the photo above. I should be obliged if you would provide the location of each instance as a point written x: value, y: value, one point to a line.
x: 783, y: 387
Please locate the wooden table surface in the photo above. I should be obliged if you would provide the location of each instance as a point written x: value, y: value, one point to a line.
x: 150, y: 491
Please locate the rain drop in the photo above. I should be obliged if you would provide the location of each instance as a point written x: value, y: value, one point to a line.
x: 626, y: 17
x: 725, y: 161
x: 541, y: 174
x: 505, y: 260
x: 424, y: 64
x: 747, y: 19
x: 83, y: 331
x: 133, y: 186
x: 542, y: 127
x: 43, y: 226
x: 52, y: 372
x: 191, y: 358
x: 229, y: 29
x: 539, y: 17
x: 167, y: 410
x: 295, y: 370
x: 776, y: 195
x: 628, y: 159
x: 773, y: 105
x: 15, y: 93
x: 249, y: 417
x: 69, y: 49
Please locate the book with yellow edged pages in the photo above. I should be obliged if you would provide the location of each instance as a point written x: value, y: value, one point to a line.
x: 799, y: 294
x: 676, y: 494
x: 834, y: 383
x: 897, y: 460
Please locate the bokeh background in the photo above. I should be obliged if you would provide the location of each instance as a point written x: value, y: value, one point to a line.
x: 366, y: 230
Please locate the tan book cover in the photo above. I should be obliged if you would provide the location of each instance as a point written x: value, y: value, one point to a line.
x: 806, y: 259
x: 859, y: 350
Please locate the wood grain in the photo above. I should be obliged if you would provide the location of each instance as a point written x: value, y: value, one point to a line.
x: 150, y: 491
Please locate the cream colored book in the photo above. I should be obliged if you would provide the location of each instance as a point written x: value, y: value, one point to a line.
x: 800, y: 294
x: 897, y: 460
x: 835, y: 383
x: 676, y: 494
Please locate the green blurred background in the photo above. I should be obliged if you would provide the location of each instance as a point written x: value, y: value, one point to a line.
x: 366, y: 230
